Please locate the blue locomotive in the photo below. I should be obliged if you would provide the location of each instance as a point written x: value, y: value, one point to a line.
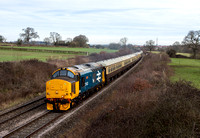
x: 68, y: 84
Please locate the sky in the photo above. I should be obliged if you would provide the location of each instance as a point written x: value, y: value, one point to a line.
x: 103, y: 22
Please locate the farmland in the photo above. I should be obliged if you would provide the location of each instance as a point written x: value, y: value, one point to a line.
x: 89, y: 50
x: 184, y: 54
x: 8, y: 53
x: 12, y: 55
x: 186, y: 69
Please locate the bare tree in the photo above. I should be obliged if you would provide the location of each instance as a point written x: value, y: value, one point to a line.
x: 115, y: 46
x: 55, y: 37
x: 47, y: 40
x: 19, y: 42
x: 29, y: 34
x: 81, y: 40
x: 150, y: 45
x: 123, y: 41
x: 2, y: 39
x: 192, y: 40
x: 68, y: 40
x: 176, y: 43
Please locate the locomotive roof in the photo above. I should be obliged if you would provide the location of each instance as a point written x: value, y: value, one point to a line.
x: 84, y: 68
x: 118, y: 59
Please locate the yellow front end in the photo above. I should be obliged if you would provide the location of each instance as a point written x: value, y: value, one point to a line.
x: 59, y: 94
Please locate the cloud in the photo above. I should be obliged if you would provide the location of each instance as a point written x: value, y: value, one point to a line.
x: 102, y: 21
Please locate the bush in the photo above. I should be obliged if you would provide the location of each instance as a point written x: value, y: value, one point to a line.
x: 19, y: 79
x: 149, y: 106
x: 171, y: 53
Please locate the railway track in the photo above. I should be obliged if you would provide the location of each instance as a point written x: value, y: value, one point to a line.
x: 33, y: 126
x: 11, y: 114
x: 13, y: 118
x: 42, y: 123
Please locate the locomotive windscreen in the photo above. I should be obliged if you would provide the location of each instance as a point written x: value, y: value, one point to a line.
x: 63, y: 73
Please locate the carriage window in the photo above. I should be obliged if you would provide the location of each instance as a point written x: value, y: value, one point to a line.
x: 70, y: 74
x: 63, y: 73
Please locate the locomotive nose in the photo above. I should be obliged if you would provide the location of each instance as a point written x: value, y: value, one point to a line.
x: 57, y: 88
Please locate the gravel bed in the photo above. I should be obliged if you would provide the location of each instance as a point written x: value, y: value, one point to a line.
x: 20, y: 120
x: 32, y: 126
x: 20, y: 104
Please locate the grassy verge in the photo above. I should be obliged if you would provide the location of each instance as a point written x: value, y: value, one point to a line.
x: 186, y: 69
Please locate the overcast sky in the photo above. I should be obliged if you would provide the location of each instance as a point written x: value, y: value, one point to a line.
x: 101, y: 21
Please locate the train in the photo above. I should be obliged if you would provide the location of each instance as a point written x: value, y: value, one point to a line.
x: 70, y: 84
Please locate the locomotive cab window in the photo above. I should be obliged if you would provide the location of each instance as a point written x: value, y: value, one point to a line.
x: 55, y: 74
x: 70, y: 74
x: 63, y: 73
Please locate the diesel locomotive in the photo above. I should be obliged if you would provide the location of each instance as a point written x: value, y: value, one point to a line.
x: 69, y: 84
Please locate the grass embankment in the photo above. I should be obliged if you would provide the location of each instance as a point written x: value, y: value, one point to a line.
x: 186, y: 69
x: 145, y: 104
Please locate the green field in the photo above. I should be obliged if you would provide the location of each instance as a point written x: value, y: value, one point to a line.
x: 184, y: 54
x: 12, y: 55
x: 89, y: 50
x: 155, y: 52
x: 23, y: 54
x: 186, y: 69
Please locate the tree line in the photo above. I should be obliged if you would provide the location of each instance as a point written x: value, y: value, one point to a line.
x: 54, y: 39
x: 190, y: 44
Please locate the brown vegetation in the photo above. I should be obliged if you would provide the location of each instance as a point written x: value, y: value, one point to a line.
x: 19, y: 79
x: 146, y: 104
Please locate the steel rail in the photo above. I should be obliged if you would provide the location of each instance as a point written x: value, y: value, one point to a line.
x: 43, y: 126
x: 24, y: 105
x: 13, y: 117
x: 24, y: 125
